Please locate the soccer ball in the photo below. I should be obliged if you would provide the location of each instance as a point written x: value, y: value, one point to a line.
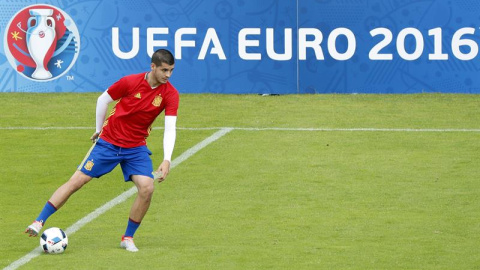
x: 54, y: 241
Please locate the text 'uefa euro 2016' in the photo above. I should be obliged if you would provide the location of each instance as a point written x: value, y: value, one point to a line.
x: 408, y: 44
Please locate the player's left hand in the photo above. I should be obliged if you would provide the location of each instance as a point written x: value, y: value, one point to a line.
x: 162, y: 171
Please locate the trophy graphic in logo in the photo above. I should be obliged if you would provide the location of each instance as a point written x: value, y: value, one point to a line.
x: 41, y: 42
x: 40, y: 38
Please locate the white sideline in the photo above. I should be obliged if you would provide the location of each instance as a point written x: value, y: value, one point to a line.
x: 272, y: 129
x: 119, y: 199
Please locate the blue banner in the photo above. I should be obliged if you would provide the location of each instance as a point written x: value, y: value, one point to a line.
x: 244, y: 46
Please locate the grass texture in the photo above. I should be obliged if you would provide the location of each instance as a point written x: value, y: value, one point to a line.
x: 301, y: 182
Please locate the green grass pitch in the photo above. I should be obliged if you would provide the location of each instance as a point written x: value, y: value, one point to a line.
x: 301, y: 182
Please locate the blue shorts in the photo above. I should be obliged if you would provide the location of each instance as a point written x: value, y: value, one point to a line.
x: 104, y: 157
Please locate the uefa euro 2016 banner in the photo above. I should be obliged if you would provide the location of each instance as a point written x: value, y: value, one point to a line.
x: 244, y: 46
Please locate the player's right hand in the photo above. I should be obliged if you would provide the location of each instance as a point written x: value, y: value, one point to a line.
x: 94, y: 137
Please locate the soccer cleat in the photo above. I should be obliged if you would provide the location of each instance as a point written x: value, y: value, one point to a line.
x: 34, y: 229
x: 128, y: 244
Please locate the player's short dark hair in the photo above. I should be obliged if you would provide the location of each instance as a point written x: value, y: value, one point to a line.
x: 163, y: 56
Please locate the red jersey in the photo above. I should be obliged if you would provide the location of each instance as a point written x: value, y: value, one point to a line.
x: 138, y: 106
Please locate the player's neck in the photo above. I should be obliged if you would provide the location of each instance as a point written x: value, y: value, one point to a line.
x: 151, y: 80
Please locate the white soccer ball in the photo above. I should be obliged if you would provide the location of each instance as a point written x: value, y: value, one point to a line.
x: 54, y: 241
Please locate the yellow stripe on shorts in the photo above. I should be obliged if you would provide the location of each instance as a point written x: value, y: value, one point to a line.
x: 86, y: 156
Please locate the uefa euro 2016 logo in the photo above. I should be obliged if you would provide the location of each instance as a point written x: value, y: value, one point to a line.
x: 42, y: 42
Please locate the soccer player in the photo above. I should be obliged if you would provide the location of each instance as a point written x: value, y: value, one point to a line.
x: 121, y: 139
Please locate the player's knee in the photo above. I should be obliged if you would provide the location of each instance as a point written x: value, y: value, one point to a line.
x: 149, y: 190
x: 146, y: 190
x: 78, y: 180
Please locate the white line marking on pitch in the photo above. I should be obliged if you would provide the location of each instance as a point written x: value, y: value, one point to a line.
x: 273, y: 129
x: 119, y: 199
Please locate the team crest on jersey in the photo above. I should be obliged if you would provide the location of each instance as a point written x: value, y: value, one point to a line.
x: 89, y: 165
x: 138, y: 95
x: 157, y: 101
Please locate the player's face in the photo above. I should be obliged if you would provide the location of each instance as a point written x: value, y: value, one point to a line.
x: 162, y: 73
